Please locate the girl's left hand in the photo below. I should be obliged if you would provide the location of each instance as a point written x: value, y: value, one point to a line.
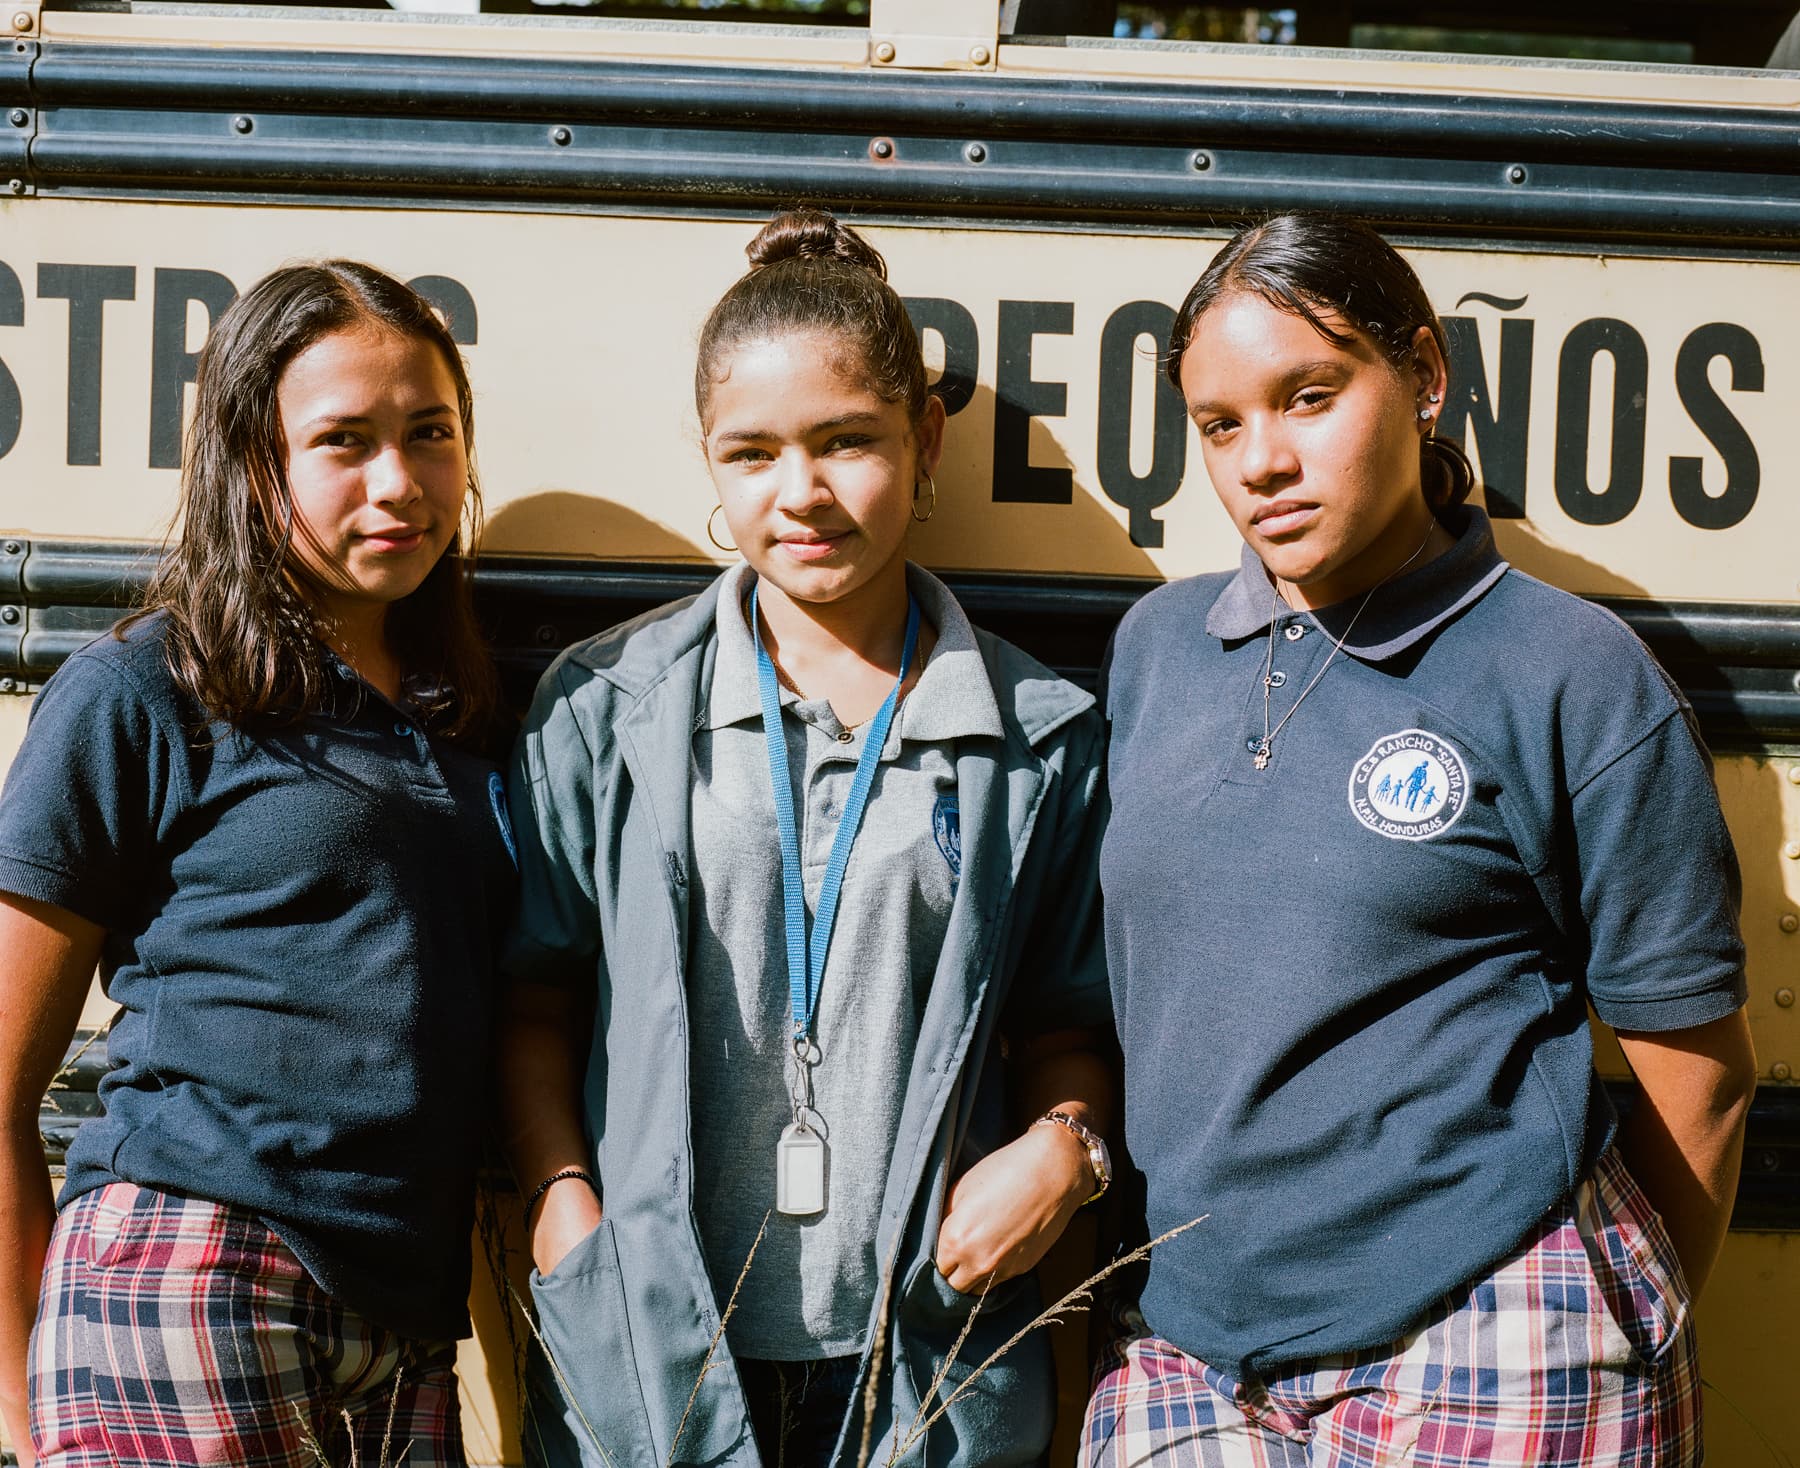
x: 1010, y: 1207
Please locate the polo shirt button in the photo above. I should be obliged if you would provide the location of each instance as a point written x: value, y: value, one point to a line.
x: 1295, y: 631
x: 1253, y: 745
x: 403, y: 730
x: 1277, y: 678
x: 844, y: 736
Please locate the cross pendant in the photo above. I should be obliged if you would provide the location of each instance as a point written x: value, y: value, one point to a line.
x: 1262, y: 755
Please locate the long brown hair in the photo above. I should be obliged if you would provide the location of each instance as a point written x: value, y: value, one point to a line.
x: 243, y: 637
x: 1309, y: 264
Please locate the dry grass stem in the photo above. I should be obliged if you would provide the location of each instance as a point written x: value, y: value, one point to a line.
x: 56, y: 1081
x: 490, y: 1227
x: 1777, y: 1455
x: 387, y: 1432
x: 1079, y: 1297
x: 871, y: 1392
x: 712, y: 1347
x: 562, y: 1381
x: 1406, y: 1452
x: 943, y: 1371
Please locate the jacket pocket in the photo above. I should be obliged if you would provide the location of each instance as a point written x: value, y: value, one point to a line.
x: 1632, y: 1258
x: 928, y: 1299
x: 1005, y: 1416
x: 585, y: 1402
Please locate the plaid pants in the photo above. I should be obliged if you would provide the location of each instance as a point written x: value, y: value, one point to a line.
x: 1576, y: 1352
x: 178, y: 1331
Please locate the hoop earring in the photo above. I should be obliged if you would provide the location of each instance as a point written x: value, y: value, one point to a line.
x: 730, y: 550
x: 930, y: 509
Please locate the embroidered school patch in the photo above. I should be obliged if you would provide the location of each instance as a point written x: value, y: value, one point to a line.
x: 497, y: 800
x: 1410, y: 786
x: 946, y: 826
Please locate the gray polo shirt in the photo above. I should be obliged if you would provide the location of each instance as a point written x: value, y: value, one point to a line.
x: 812, y: 1287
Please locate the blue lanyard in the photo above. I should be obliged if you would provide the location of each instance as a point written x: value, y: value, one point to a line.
x: 806, y: 959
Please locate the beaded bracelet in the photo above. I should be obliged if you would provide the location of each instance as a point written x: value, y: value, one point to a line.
x: 554, y: 1178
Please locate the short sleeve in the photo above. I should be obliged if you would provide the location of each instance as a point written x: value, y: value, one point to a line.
x: 556, y: 932
x: 1062, y: 982
x: 85, y: 794
x: 1659, y: 886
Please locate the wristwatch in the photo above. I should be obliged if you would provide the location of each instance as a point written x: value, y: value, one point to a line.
x: 1099, y: 1159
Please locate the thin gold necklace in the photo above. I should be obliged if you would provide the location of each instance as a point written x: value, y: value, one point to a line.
x: 1263, y: 750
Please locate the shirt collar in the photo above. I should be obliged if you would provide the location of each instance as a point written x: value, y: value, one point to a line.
x: 1403, y: 612
x: 953, y: 697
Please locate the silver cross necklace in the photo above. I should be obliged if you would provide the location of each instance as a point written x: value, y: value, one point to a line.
x: 1264, y: 749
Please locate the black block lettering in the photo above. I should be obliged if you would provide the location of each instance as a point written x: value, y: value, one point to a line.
x: 1019, y: 398
x: 962, y: 347
x: 1743, y: 470
x: 172, y: 365
x: 12, y: 407
x: 87, y: 289
x: 451, y: 297
x: 1500, y: 420
x: 1574, y: 388
x: 1140, y: 494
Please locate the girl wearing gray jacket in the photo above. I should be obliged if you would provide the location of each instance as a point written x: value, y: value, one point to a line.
x: 817, y: 859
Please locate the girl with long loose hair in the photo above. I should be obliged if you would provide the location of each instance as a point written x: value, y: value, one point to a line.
x: 264, y: 808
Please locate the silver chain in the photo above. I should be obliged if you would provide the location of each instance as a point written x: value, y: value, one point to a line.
x: 1268, y: 740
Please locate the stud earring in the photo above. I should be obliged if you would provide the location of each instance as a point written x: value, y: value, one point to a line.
x: 1424, y: 415
x: 1434, y: 397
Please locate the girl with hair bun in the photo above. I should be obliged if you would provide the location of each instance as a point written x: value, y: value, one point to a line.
x: 1392, y: 816
x: 265, y: 807
x: 818, y: 857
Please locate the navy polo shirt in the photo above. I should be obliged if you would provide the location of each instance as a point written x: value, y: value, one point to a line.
x: 300, y: 924
x: 1352, y: 987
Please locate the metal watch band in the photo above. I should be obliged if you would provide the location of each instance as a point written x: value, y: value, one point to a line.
x: 1098, y: 1157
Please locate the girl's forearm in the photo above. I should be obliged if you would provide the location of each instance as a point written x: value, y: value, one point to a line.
x: 27, y: 1211
x: 1685, y: 1137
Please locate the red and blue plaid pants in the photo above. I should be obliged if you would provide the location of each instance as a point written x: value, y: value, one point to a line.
x: 178, y: 1331
x: 1576, y: 1352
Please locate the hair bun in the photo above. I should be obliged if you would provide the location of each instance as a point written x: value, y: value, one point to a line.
x: 812, y: 234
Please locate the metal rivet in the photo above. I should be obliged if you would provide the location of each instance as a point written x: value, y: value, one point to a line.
x: 884, y: 51
x: 548, y: 635
x: 7, y: 685
x: 18, y: 117
x: 9, y: 615
x: 882, y: 148
x: 13, y: 547
x: 242, y: 124
x: 1200, y: 162
x: 561, y: 136
x: 1794, y: 774
x: 976, y: 152
x: 15, y: 185
x: 979, y: 55
x: 21, y: 20
x: 1785, y: 998
x: 1515, y: 174
x: 1781, y: 1071
x: 1790, y: 922
x: 1791, y: 851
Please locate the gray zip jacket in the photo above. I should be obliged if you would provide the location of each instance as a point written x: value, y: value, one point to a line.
x: 600, y: 797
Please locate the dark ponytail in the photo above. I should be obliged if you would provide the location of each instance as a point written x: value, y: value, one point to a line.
x: 1309, y: 264
x: 810, y: 272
